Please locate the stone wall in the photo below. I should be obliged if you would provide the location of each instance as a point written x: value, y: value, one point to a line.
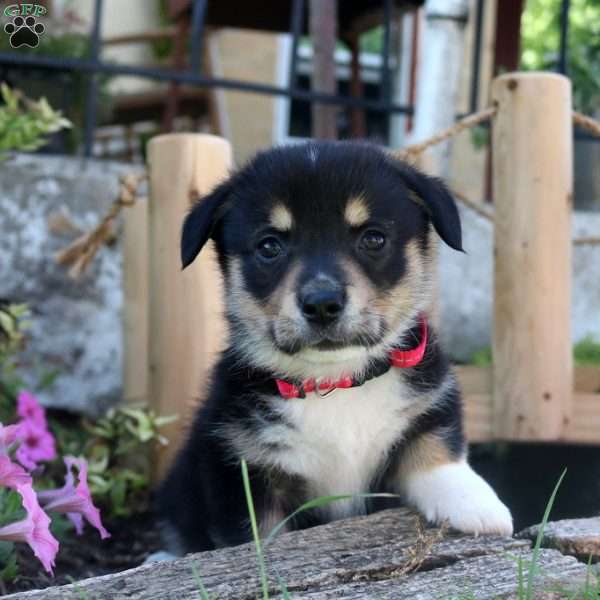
x: 76, y: 324
x: 466, y: 285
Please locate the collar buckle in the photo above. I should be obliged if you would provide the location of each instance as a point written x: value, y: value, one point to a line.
x: 324, y: 387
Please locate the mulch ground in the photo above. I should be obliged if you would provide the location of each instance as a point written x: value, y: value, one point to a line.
x: 80, y: 557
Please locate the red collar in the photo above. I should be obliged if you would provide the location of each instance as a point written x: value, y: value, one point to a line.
x: 401, y: 359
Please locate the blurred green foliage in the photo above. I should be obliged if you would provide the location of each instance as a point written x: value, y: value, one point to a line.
x: 8, y: 562
x: 11, y: 510
x: 118, y: 449
x: 540, y: 43
x: 163, y: 48
x: 585, y: 352
x: 25, y: 125
x: 481, y: 358
x: 14, y: 321
x: 372, y: 40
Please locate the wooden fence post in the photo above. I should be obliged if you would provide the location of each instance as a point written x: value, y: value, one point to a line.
x: 186, y: 327
x: 532, y: 183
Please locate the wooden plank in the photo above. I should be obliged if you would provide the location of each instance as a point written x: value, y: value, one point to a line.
x: 583, y: 427
x: 186, y: 324
x: 532, y: 165
x: 366, y: 557
x: 479, y: 380
x: 479, y: 414
x: 587, y: 379
x: 135, y: 305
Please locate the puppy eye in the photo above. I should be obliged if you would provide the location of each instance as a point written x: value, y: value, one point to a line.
x: 372, y: 241
x: 269, y: 248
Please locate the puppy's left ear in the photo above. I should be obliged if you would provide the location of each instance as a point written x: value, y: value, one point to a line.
x: 201, y: 221
x: 435, y: 198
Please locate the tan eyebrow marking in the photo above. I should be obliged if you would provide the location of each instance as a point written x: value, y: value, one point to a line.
x: 281, y: 218
x: 357, y: 211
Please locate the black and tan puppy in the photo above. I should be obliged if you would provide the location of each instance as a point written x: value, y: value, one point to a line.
x: 333, y: 382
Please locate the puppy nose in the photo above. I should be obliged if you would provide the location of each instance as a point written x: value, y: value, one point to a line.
x: 323, y: 307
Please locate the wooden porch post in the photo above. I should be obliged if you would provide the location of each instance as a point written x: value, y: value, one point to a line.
x: 186, y: 327
x: 532, y: 182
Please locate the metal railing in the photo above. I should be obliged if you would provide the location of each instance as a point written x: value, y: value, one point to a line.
x: 192, y: 74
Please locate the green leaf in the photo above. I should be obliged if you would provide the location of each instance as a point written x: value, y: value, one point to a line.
x: 10, y: 568
x: 61, y: 527
x: 117, y: 494
x: 162, y: 421
x: 587, y: 352
x: 11, y: 507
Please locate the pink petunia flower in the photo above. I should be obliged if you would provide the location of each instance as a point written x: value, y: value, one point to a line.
x: 8, y: 436
x: 33, y: 529
x: 75, y: 500
x: 11, y: 474
x: 29, y: 409
x: 37, y: 444
x: 77, y: 521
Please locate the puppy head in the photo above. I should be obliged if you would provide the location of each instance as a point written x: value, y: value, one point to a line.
x: 325, y: 249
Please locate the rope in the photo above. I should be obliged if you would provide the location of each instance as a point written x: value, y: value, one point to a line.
x: 586, y: 122
x: 587, y: 241
x: 488, y: 214
x: 477, y: 207
x: 409, y: 153
x: 80, y: 253
x: 593, y: 127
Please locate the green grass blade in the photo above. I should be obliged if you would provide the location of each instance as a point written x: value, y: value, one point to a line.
x: 587, y: 590
x: 591, y: 590
x: 317, y: 503
x: 285, y: 594
x: 521, y: 578
x: 202, y: 593
x: 259, y: 553
x: 83, y: 595
x: 540, y: 536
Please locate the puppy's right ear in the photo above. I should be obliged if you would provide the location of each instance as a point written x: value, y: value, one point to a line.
x: 200, y: 223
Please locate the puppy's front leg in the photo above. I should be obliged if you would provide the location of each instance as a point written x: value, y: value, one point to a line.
x: 443, y: 487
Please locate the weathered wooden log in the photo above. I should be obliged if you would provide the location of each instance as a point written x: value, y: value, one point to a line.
x: 578, y: 537
x: 386, y: 555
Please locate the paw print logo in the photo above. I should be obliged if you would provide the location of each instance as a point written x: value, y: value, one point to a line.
x: 24, y: 31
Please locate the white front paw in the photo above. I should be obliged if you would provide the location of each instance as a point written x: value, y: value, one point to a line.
x: 456, y: 494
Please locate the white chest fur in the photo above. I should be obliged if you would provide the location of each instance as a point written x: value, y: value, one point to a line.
x: 336, y: 443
